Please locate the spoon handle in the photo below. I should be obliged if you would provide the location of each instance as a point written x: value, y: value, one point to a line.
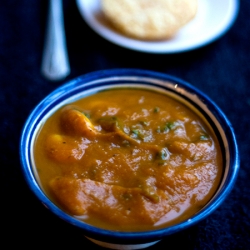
x: 55, y: 63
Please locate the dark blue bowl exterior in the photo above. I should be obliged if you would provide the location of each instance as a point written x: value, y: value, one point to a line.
x: 109, y: 78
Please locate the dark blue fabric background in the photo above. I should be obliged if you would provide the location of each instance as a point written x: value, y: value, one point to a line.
x: 220, y: 69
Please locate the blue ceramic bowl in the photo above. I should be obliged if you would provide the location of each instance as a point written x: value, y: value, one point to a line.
x: 106, y: 79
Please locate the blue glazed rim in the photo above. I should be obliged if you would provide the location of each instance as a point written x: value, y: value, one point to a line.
x: 108, y: 78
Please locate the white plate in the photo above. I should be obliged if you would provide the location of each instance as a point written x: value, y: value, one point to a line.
x: 213, y: 19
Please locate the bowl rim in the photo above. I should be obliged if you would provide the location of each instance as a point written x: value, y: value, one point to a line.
x: 114, y: 75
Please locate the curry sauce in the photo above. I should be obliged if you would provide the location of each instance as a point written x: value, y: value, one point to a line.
x: 128, y: 160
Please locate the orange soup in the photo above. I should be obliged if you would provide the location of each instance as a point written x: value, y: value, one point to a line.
x: 128, y: 160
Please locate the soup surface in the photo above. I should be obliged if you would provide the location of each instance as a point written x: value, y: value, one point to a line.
x: 128, y: 160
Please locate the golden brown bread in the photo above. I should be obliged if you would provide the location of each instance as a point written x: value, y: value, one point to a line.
x: 149, y: 19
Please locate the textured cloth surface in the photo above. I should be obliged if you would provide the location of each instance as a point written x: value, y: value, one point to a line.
x: 220, y: 69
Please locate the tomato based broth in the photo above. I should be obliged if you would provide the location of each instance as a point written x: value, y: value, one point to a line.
x: 128, y: 160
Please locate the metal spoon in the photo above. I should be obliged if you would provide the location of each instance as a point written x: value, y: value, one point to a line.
x: 55, y: 62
